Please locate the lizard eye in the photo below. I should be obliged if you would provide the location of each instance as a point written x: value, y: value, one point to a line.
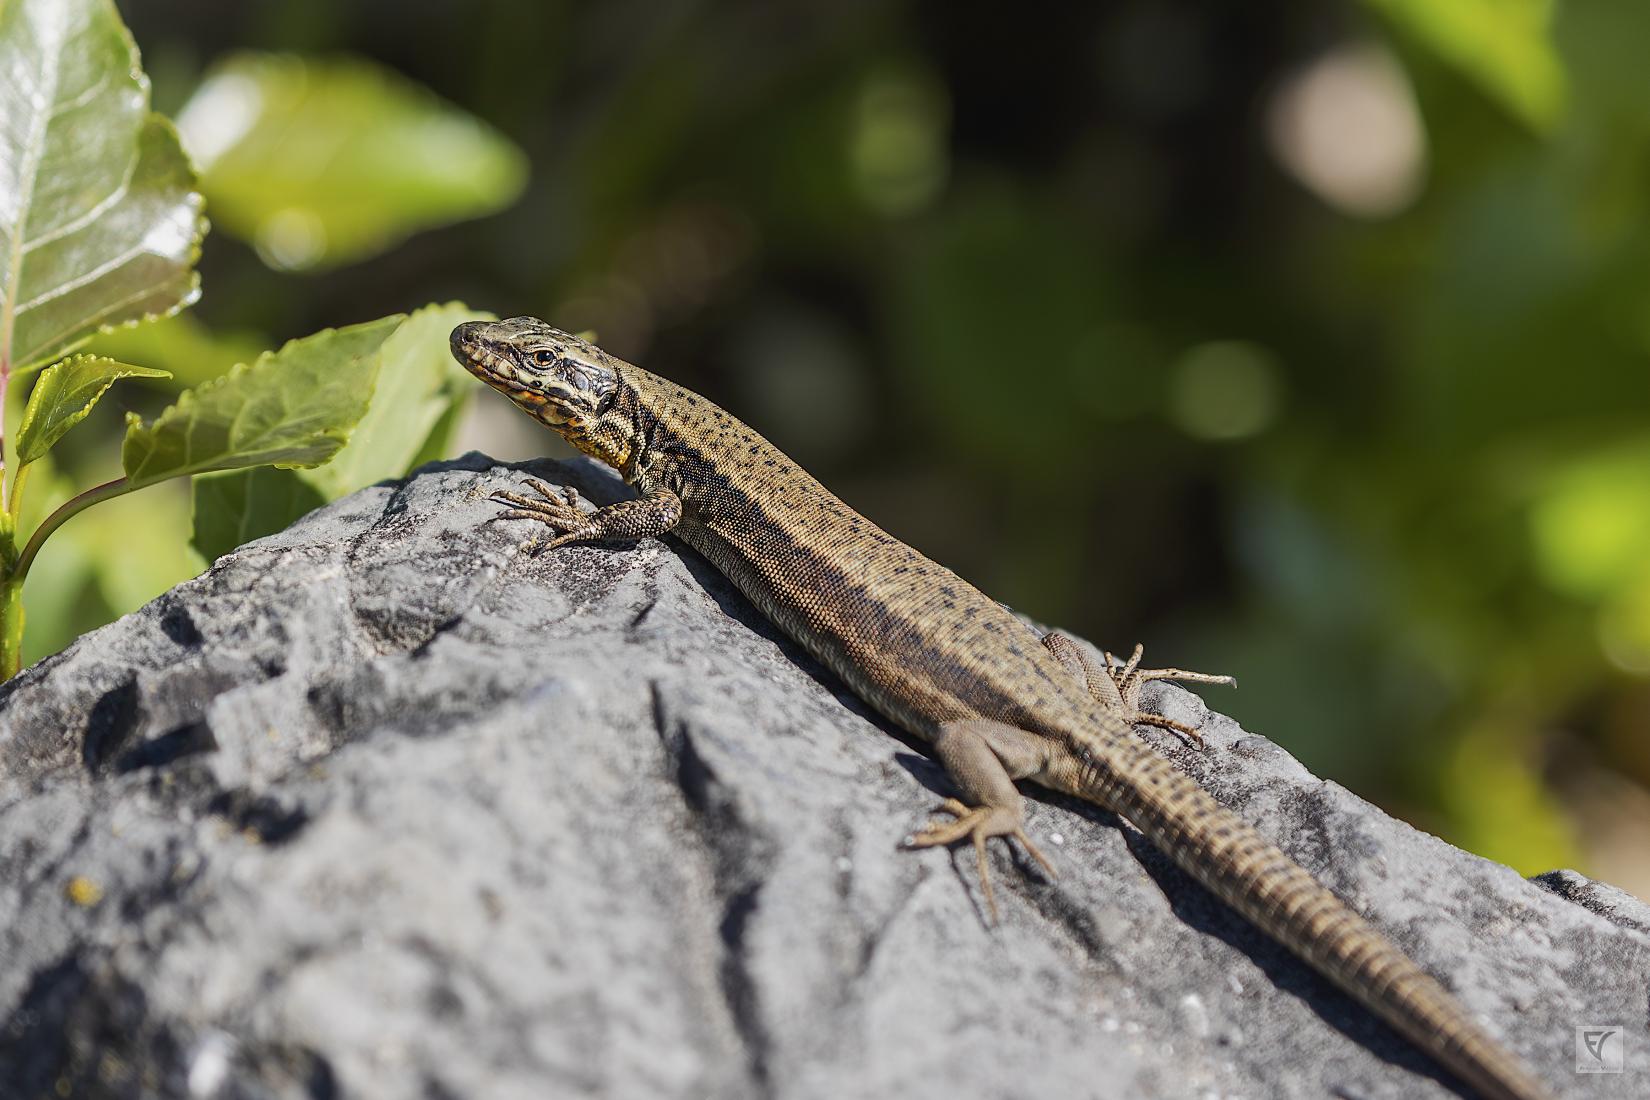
x: 544, y: 357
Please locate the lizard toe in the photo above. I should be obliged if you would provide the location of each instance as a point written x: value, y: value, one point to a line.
x: 978, y: 824
x: 1188, y: 734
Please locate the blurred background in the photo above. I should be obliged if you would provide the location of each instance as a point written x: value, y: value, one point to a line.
x: 1306, y: 341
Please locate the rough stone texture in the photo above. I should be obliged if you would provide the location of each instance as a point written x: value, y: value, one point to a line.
x: 383, y: 806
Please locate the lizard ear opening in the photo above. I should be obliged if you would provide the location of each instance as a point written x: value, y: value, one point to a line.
x: 604, y: 400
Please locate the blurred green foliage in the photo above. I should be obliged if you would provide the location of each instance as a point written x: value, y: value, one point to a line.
x: 327, y: 160
x: 1504, y: 45
x: 1306, y: 342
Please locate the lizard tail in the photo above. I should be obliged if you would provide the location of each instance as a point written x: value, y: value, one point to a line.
x: 1255, y: 877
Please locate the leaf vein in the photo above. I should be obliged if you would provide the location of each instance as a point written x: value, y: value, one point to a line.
x: 96, y: 319
x: 97, y: 210
x: 80, y: 100
x: 86, y: 279
x: 34, y: 150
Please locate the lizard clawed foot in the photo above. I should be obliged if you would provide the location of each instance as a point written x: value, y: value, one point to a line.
x: 979, y: 824
x: 1129, y: 678
x: 557, y: 510
x: 1116, y: 684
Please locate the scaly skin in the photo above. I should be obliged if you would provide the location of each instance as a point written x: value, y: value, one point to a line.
x: 943, y: 660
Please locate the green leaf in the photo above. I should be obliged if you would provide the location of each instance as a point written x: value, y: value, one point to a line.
x: 1505, y: 46
x: 293, y: 407
x: 439, y: 443
x: 100, y: 221
x: 320, y: 161
x: 421, y: 383
x: 236, y: 507
x: 63, y: 396
x: 414, y: 409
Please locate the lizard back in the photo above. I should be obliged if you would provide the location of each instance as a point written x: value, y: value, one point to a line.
x: 907, y: 634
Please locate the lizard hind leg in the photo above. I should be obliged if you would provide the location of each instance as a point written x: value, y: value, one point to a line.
x: 983, y: 758
x: 1117, y: 684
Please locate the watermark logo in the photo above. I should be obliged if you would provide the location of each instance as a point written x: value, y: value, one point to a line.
x: 1600, y: 1048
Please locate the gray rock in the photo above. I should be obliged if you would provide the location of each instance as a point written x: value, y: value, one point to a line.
x: 383, y: 806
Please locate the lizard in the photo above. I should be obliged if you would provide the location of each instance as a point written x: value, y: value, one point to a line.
x: 993, y: 701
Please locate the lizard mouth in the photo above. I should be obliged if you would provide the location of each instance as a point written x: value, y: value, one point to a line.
x: 494, y: 368
x: 476, y: 357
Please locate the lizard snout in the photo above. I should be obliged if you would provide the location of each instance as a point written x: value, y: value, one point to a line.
x: 463, y: 339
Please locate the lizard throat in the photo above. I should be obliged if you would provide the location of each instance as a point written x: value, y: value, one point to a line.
x: 590, y: 438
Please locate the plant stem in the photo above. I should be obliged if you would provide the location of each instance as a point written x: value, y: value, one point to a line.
x: 11, y: 627
x: 107, y: 491
x: 15, y: 505
x: 5, y: 379
x: 11, y: 580
x: 11, y: 583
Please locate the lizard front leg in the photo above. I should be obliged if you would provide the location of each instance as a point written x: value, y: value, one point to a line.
x: 984, y: 758
x: 650, y: 515
x: 1118, y: 687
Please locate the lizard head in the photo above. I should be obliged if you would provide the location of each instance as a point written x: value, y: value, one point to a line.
x: 567, y: 383
x: 557, y: 378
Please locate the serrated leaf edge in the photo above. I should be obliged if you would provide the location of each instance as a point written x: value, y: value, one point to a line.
x: 129, y: 370
x: 189, y: 397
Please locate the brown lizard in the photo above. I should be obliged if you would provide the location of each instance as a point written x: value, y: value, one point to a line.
x: 944, y: 661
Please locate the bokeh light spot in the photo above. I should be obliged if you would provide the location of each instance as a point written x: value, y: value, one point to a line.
x: 1590, y: 525
x: 1346, y: 127
x: 897, y: 151
x: 291, y: 239
x: 218, y: 116
x: 1225, y: 390
x: 1624, y: 636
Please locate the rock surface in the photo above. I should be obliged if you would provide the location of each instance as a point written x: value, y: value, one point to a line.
x: 383, y: 806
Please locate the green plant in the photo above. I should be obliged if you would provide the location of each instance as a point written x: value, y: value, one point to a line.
x: 101, y: 223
